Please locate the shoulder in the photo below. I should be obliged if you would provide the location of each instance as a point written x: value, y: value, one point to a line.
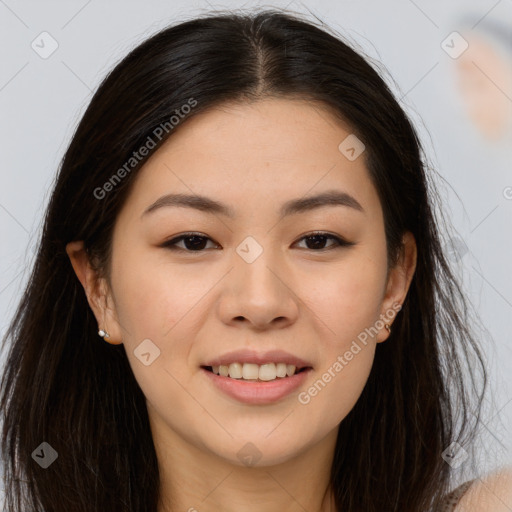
x: 491, y: 493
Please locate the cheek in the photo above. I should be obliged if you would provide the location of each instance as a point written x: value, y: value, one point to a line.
x: 154, y: 312
x: 348, y: 306
x: 166, y: 305
x: 150, y: 298
x: 330, y: 396
x: 347, y: 297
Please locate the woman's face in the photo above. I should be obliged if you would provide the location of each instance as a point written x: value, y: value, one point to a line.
x: 251, y: 281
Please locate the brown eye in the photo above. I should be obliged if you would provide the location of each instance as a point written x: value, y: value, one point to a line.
x: 196, y: 242
x: 193, y: 242
x: 316, y: 241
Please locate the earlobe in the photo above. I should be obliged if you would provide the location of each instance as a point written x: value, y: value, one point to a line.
x: 94, y: 287
x: 399, y: 279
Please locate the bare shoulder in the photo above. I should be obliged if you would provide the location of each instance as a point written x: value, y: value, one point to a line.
x: 492, y: 493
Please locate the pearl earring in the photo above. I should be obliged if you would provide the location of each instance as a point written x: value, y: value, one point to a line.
x: 103, y: 334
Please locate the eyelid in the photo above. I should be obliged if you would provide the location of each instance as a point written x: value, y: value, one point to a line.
x: 340, y: 241
x: 171, y: 242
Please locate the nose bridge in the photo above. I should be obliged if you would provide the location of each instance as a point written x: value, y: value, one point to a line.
x: 256, y: 266
x: 258, y: 291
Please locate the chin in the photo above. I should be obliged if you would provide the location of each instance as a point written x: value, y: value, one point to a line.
x: 261, y: 451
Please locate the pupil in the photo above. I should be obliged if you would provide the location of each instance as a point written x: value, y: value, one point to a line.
x: 197, y: 245
x: 195, y: 242
x: 316, y: 242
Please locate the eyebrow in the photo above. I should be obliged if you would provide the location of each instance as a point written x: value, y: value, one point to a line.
x: 291, y: 207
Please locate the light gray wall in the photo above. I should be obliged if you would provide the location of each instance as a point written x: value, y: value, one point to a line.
x: 41, y: 100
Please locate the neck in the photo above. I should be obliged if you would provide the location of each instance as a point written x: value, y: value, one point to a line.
x: 195, y: 480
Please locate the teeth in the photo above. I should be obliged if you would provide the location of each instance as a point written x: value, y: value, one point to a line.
x: 281, y: 370
x: 235, y: 370
x: 251, y: 371
x: 267, y: 372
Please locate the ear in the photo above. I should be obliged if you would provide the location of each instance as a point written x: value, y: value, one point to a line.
x: 97, y: 291
x: 399, y: 280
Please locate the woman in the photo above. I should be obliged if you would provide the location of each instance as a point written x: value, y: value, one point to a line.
x: 244, y: 218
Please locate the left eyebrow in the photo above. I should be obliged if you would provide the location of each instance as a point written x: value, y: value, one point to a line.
x: 292, y: 207
x: 327, y: 198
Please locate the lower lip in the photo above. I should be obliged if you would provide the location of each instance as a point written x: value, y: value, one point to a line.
x: 257, y: 392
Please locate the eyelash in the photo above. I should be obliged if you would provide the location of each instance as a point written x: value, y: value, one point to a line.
x: 340, y: 242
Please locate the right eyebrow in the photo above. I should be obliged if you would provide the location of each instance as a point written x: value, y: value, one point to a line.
x: 291, y: 207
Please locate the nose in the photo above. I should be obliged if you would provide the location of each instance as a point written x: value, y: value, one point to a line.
x: 259, y: 294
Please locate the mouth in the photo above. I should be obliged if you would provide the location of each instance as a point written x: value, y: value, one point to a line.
x: 254, y: 384
x: 255, y: 377
x: 252, y: 372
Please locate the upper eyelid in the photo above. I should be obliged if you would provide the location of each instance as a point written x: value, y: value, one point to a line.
x: 340, y: 240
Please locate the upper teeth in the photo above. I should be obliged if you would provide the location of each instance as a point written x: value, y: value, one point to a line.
x: 250, y: 371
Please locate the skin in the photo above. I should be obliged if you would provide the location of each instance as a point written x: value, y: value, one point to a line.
x: 195, y: 306
x: 487, y: 98
x: 492, y: 493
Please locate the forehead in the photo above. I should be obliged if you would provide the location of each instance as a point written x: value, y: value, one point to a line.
x: 247, y: 153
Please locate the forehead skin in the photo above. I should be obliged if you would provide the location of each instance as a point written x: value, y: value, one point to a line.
x: 254, y: 157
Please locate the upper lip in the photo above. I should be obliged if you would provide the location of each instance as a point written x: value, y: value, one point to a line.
x: 252, y: 356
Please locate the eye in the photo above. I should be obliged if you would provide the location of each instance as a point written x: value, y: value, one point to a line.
x: 318, y: 238
x: 195, y: 242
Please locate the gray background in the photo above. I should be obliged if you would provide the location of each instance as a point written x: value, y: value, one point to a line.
x: 41, y: 101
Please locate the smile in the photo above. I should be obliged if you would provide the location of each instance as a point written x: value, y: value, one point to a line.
x: 272, y: 388
x: 254, y: 372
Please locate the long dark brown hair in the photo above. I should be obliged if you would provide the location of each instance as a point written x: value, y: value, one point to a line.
x: 65, y: 386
